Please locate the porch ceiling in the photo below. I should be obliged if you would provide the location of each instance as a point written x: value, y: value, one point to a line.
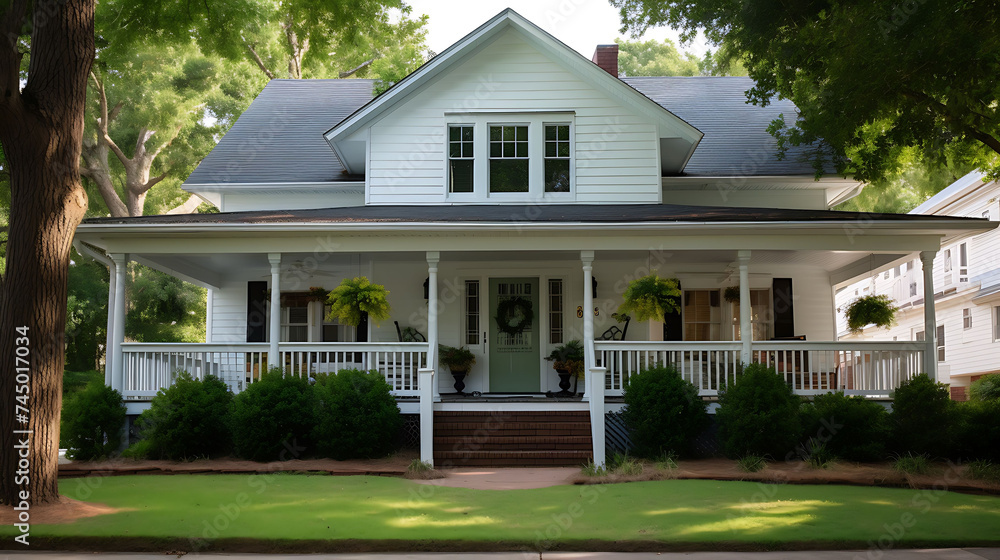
x: 212, y: 270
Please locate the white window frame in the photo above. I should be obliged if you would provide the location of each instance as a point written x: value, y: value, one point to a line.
x: 536, y: 122
x: 996, y: 323
x: 448, y: 158
x: 967, y: 318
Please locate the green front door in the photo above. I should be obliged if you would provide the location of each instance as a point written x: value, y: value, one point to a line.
x: 513, y: 335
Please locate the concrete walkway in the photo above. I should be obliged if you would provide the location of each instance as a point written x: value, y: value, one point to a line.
x: 935, y: 554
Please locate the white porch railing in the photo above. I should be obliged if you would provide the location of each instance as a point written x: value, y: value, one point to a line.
x: 149, y: 367
x: 705, y: 364
x: 861, y: 368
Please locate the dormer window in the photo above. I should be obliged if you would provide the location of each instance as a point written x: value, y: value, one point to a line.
x: 510, y: 157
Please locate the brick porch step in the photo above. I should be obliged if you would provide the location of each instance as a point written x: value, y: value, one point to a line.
x: 510, y: 458
x: 521, y: 438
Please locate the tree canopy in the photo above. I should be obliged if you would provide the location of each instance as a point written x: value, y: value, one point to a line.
x: 874, y: 81
x: 663, y: 58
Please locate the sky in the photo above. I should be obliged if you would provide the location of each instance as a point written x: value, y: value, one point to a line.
x: 581, y: 24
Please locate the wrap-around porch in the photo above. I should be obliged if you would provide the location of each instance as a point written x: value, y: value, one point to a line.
x: 458, y: 310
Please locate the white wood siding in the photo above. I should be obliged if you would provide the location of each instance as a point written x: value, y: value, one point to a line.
x: 615, y: 155
x: 229, y: 313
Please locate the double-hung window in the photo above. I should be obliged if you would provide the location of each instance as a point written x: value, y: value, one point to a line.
x: 509, y: 163
x: 461, y: 158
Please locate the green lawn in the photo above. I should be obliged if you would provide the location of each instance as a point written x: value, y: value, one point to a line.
x: 277, y: 507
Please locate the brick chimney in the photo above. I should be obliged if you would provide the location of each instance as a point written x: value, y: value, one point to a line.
x: 606, y: 56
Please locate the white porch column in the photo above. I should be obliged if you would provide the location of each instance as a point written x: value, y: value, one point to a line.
x: 114, y: 351
x: 209, y: 323
x: 596, y: 379
x: 274, y: 319
x: 433, y: 258
x: 746, y: 326
x: 109, y: 343
x: 930, y: 319
x: 587, y: 257
x: 426, y: 380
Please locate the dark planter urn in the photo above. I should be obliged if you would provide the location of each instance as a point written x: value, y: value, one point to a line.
x: 564, y: 383
x: 459, y: 381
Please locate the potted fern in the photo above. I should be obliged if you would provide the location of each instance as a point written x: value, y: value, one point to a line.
x: 356, y: 300
x: 875, y: 310
x: 459, y: 361
x: 567, y: 360
x: 651, y: 297
x: 731, y: 294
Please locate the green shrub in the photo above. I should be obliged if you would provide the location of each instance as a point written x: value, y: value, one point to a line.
x: 758, y: 414
x: 663, y: 412
x: 851, y: 428
x: 986, y: 388
x: 983, y: 470
x: 272, y: 418
x: 590, y: 468
x: 188, y: 419
x: 93, y: 422
x: 820, y: 456
x: 912, y: 464
x: 979, y: 430
x: 751, y: 463
x: 138, y: 450
x: 924, y: 419
x: 358, y: 416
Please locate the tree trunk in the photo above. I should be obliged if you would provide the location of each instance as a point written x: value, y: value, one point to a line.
x: 41, y: 130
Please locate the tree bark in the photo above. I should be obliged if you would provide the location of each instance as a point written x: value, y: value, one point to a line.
x: 41, y: 131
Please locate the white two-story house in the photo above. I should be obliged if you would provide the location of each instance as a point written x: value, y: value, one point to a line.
x: 966, y: 289
x: 508, y: 167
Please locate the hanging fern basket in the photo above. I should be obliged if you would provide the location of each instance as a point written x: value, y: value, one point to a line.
x: 651, y: 297
x: 731, y: 294
x: 875, y: 310
x: 357, y: 297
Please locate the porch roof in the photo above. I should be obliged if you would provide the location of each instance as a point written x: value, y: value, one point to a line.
x: 541, y: 214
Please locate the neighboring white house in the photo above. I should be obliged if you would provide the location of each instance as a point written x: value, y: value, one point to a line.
x: 966, y: 295
x: 509, y: 168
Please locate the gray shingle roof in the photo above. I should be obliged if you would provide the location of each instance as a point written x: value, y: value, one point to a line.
x: 517, y: 213
x: 736, y: 141
x: 279, y: 138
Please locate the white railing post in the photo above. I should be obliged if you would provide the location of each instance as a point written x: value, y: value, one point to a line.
x: 433, y: 258
x: 596, y: 378
x: 273, y: 359
x: 746, y: 325
x: 930, y: 320
x: 587, y: 257
x: 115, y: 349
x: 426, y: 383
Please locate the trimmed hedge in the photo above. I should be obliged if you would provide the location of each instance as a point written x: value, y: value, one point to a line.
x: 758, y: 415
x: 851, y: 428
x: 272, y: 418
x: 188, y: 419
x: 93, y: 422
x: 924, y: 419
x: 663, y: 412
x: 358, y: 417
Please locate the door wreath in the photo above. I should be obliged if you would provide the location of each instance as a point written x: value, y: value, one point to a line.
x: 514, y: 315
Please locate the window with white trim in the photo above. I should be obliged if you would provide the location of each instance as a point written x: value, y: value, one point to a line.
x: 996, y: 323
x: 510, y: 157
x: 702, y: 315
x: 509, y: 165
x: 966, y: 318
x: 555, y: 311
x: 295, y: 322
x: 940, y: 343
x: 472, y: 312
x: 461, y: 158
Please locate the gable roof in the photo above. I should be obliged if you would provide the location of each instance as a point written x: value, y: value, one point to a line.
x: 279, y: 138
x: 540, y: 39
